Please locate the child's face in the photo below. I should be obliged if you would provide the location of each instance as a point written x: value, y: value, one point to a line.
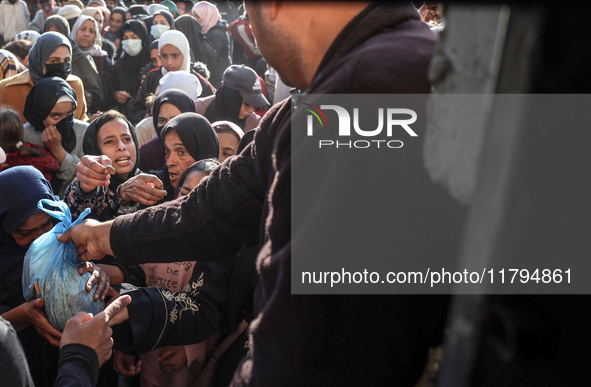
x: 191, y: 181
x: 60, y: 111
x: 115, y: 142
x: 228, y: 145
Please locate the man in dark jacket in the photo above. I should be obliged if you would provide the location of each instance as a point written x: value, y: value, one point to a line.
x: 303, y: 340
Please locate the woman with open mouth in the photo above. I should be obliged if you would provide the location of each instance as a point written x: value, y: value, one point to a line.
x: 187, y: 138
x: 110, y: 135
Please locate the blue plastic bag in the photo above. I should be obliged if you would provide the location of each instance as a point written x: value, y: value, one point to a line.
x: 50, y: 271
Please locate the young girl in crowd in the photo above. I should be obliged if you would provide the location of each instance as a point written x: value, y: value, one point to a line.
x: 229, y: 135
x: 113, y: 136
x: 174, y: 51
x: 49, y: 109
x: 19, y: 153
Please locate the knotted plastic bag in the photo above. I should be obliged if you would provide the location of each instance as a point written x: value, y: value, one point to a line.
x: 50, y: 271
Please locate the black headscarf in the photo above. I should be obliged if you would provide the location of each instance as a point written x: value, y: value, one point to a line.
x: 42, y: 98
x: 60, y: 23
x: 200, y: 48
x: 21, y: 188
x: 121, y: 11
x: 131, y: 79
x: 90, y: 146
x: 176, y: 97
x: 167, y: 15
x: 226, y: 107
x: 42, y: 50
x: 136, y: 10
x: 196, y: 134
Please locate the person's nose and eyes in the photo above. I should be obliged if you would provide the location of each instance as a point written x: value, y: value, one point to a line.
x: 121, y: 146
x: 171, y: 160
x: 168, y: 61
x: 38, y: 232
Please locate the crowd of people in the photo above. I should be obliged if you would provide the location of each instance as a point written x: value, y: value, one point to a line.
x: 156, y: 116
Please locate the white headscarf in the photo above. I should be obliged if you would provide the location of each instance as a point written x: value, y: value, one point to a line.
x: 29, y: 35
x: 182, y: 80
x: 179, y: 40
x: 153, y: 8
x: 208, y: 13
x: 95, y: 49
x: 69, y: 11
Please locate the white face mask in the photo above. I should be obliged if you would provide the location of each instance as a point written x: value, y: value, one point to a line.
x: 132, y: 46
x: 158, y: 29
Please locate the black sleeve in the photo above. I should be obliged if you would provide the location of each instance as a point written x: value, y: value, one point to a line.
x: 78, y: 366
x: 160, y: 318
x: 14, y: 370
x: 215, y: 219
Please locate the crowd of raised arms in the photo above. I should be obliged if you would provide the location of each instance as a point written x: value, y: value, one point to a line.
x: 124, y: 108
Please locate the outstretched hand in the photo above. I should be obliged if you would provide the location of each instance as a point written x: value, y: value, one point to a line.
x: 143, y: 188
x: 37, y: 317
x: 94, y: 332
x: 91, y: 239
x: 93, y: 171
x: 98, y: 277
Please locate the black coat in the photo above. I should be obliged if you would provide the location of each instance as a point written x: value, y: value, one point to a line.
x: 303, y: 340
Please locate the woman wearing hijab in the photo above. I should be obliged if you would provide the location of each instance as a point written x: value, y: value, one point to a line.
x: 113, y: 136
x: 9, y: 65
x: 201, y: 48
x: 90, y: 62
x: 180, y: 80
x: 162, y: 21
x: 216, y: 30
x: 49, y: 57
x: 136, y: 11
x: 174, y: 51
x: 185, y: 139
x: 236, y: 100
x: 125, y: 78
x: 167, y: 105
x: 21, y: 222
x: 57, y: 23
x: 111, y: 32
x: 48, y: 109
x: 153, y: 59
x: 101, y: 18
